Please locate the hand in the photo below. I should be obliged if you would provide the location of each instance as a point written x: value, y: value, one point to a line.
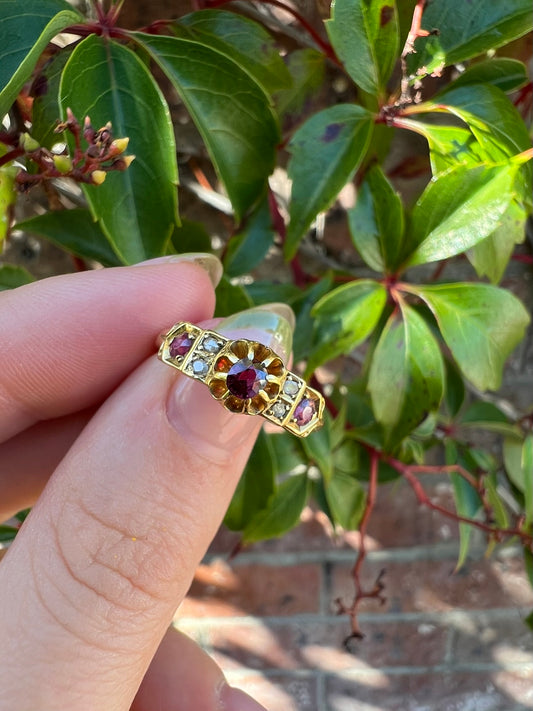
x: 131, y: 466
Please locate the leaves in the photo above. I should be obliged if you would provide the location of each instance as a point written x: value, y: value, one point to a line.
x: 307, y: 70
x: 406, y: 378
x: 8, y: 195
x: 231, y: 298
x: 282, y: 512
x: 25, y: 30
x: 244, y: 41
x: 507, y: 74
x: 109, y: 82
x: 481, y: 324
x: 345, y: 318
x: 458, y: 209
x: 326, y: 152
x: 249, y: 246
x: 467, y: 504
x: 365, y: 37
x: 527, y: 473
x: 466, y: 30
x: 12, y: 276
x: 255, y: 486
x: 231, y: 111
x: 45, y: 90
x: 75, y: 231
x: 377, y: 222
x: 346, y: 498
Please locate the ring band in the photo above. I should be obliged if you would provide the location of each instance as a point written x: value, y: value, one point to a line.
x: 245, y: 376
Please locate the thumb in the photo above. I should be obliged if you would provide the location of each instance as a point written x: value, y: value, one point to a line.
x: 94, y: 577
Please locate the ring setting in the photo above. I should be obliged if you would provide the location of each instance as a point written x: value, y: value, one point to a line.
x: 244, y: 376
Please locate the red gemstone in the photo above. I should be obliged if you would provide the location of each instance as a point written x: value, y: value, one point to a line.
x: 305, y: 411
x: 180, y: 345
x: 245, y: 379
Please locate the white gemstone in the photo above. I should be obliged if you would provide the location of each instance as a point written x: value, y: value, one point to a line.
x: 200, y: 367
x: 279, y: 410
x: 291, y: 387
x: 211, y: 345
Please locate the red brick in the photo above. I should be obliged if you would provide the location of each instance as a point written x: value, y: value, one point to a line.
x: 431, y: 585
x: 446, y: 691
x: 319, y: 645
x: 221, y: 590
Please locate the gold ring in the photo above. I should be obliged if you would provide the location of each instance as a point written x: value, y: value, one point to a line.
x: 245, y: 376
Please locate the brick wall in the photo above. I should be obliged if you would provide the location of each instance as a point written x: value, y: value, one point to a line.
x: 440, y: 642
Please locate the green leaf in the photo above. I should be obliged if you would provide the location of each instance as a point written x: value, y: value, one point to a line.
x: 406, y: 378
x: 109, y: 82
x: 45, y: 90
x: 303, y: 306
x: 512, y: 459
x: 231, y: 298
x: 527, y: 473
x: 501, y: 517
x: 318, y: 448
x: 467, y: 504
x: 345, y: 318
x: 377, y: 222
x: 486, y: 416
x: 288, y: 452
x: 25, y: 30
x: 8, y: 194
x: 466, y: 30
x: 491, y: 256
x: 282, y: 512
x: 502, y: 72
x: 326, y: 152
x: 244, y: 41
x: 365, y: 37
x: 190, y: 236
x: 255, y: 487
x: 458, y: 209
x: 76, y: 232
x: 481, y: 324
x: 230, y: 110
x: 264, y: 292
x: 12, y: 276
x: 455, y: 388
x: 346, y: 458
x: 7, y: 533
x: 346, y: 498
x: 249, y: 246
x: 307, y: 68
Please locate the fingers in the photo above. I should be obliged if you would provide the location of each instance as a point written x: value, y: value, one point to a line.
x: 28, y: 460
x: 69, y: 340
x: 111, y: 547
x: 182, y: 677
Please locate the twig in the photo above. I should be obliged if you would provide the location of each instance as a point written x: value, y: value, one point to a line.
x: 409, y: 47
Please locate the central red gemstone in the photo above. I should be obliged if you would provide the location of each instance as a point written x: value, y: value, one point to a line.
x: 245, y: 379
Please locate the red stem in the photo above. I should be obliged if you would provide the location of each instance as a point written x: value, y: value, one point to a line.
x: 369, y: 507
x: 299, y: 277
x: 11, y: 155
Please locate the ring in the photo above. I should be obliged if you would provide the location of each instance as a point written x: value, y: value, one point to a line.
x: 245, y: 376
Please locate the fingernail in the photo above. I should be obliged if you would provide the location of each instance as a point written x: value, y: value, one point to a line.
x: 208, y: 262
x: 232, y: 699
x: 195, y: 413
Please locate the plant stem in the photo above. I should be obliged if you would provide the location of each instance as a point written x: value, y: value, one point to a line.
x: 415, y: 31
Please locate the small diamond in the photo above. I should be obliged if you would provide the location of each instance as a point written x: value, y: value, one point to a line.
x: 200, y: 367
x: 290, y: 387
x: 279, y: 410
x: 305, y: 411
x: 180, y: 345
x: 211, y: 345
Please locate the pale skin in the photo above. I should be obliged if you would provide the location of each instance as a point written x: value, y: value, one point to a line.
x: 130, y: 467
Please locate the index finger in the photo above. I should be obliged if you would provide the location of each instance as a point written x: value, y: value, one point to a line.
x: 68, y: 341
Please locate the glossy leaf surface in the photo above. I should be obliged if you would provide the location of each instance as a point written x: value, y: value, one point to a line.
x: 25, y: 30
x: 229, y: 108
x: 249, y: 246
x: 466, y: 30
x: 326, y: 152
x: 137, y: 208
x: 12, y: 276
x: 307, y: 71
x: 365, y: 36
x: 282, y: 512
x: 377, y: 222
x: 406, y: 378
x: 481, y: 325
x: 244, y: 41
x: 505, y: 73
x: 76, y: 231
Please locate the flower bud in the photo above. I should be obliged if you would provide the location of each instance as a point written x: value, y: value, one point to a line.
x: 63, y: 163
x: 98, y: 177
x: 28, y: 143
x: 118, y: 146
